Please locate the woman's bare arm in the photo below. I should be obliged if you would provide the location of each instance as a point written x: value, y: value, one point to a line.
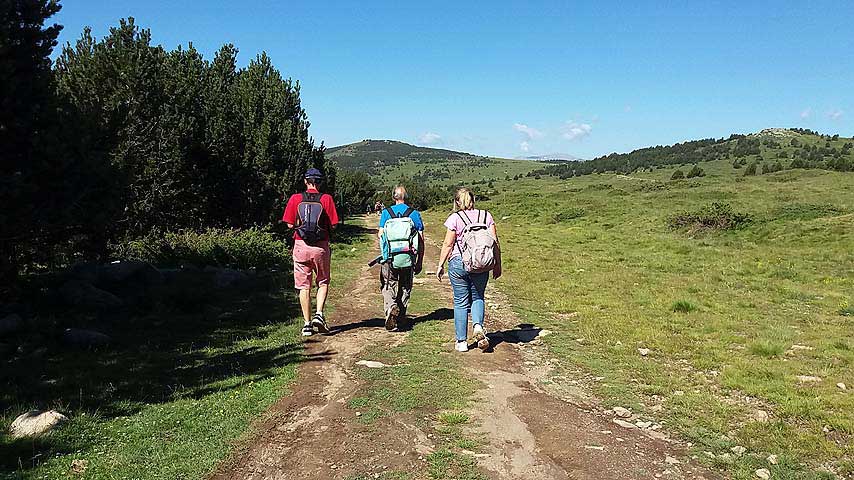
x: 447, y: 245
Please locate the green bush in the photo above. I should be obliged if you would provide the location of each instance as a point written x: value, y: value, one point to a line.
x: 846, y: 309
x: 717, y: 216
x: 243, y: 249
x: 683, y: 306
x: 677, y: 175
x: 566, y: 215
x: 695, y: 171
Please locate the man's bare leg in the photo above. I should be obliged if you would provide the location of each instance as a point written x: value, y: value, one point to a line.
x: 305, y: 303
x: 322, y: 290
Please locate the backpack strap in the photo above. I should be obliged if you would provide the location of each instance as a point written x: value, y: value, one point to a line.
x: 464, y: 218
x: 391, y: 213
x: 408, y: 212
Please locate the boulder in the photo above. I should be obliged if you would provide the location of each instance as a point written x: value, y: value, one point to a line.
x: 83, y: 294
x: 128, y: 270
x: 85, y: 271
x: 10, y: 324
x: 79, y: 337
x: 36, y: 423
x: 763, y: 473
x: 228, y: 277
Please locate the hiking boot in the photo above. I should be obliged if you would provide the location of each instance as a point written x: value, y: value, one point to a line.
x: 480, y: 337
x: 307, y: 330
x: 391, y: 317
x: 318, y: 322
x: 462, y: 346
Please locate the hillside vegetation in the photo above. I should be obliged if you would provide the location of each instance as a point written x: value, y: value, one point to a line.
x: 786, y: 148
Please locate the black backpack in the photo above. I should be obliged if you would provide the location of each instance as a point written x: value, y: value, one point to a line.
x: 310, y: 210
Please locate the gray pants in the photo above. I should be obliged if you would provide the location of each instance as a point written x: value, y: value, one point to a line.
x: 396, y: 286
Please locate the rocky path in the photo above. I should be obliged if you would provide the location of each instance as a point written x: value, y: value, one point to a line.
x: 532, y: 423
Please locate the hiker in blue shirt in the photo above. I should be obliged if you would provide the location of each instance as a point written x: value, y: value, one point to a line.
x: 396, y: 281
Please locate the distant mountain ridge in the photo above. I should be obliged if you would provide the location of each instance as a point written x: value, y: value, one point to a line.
x: 370, y: 155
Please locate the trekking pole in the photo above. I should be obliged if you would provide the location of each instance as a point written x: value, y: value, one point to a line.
x: 375, y: 261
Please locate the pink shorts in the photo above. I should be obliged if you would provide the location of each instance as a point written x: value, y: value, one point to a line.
x: 311, y: 260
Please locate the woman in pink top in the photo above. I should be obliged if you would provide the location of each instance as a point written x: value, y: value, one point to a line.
x: 468, y: 287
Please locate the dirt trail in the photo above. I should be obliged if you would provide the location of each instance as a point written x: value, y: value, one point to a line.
x: 532, y: 429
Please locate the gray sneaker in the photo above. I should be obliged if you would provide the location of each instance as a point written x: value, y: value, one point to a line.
x: 318, y: 322
x: 307, y: 330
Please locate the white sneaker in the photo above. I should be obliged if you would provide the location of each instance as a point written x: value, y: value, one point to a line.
x: 480, y: 337
x: 462, y: 346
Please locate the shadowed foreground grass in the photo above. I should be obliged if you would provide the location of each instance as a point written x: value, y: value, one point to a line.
x: 175, y: 389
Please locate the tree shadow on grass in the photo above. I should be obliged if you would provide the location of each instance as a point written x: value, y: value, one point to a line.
x: 206, y: 341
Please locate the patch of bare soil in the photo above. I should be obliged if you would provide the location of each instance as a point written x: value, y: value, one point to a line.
x: 531, y: 429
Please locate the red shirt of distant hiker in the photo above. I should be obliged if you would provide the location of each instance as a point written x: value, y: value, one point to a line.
x: 314, y: 216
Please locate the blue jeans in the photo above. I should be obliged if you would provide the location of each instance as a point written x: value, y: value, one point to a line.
x: 468, y: 295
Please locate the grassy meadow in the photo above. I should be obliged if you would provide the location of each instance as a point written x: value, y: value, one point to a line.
x: 731, y: 318
x: 451, y: 172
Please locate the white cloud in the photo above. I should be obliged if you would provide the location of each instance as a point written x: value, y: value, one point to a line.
x: 575, y: 131
x: 429, y: 138
x: 524, y: 146
x: 806, y: 113
x: 530, y: 132
x: 835, y: 114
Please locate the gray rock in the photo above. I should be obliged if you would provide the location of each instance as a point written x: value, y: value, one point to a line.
x: 118, y: 272
x: 10, y: 324
x: 36, y: 423
x: 622, y: 412
x: 84, y: 338
x: 228, y: 277
x: 83, y: 294
x: 85, y: 271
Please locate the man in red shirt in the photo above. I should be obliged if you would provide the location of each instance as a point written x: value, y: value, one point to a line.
x: 314, y: 216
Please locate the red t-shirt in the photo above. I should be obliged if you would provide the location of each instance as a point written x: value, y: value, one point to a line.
x: 328, y: 219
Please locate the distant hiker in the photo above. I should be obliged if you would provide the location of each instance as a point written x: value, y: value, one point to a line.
x: 314, y: 216
x: 471, y: 248
x: 378, y: 207
x: 402, y: 240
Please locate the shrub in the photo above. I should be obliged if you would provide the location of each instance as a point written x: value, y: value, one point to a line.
x: 695, y: 171
x: 566, y: 215
x: 751, y: 169
x: 243, y: 249
x: 717, y: 216
x: 846, y: 309
x: 677, y: 175
x: 683, y: 306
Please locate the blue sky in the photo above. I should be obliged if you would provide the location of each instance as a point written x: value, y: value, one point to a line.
x: 516, y: 78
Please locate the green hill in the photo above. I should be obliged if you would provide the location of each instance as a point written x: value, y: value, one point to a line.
x: 372, y: 155
x: 768, y: 150
x: 391, y: 160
